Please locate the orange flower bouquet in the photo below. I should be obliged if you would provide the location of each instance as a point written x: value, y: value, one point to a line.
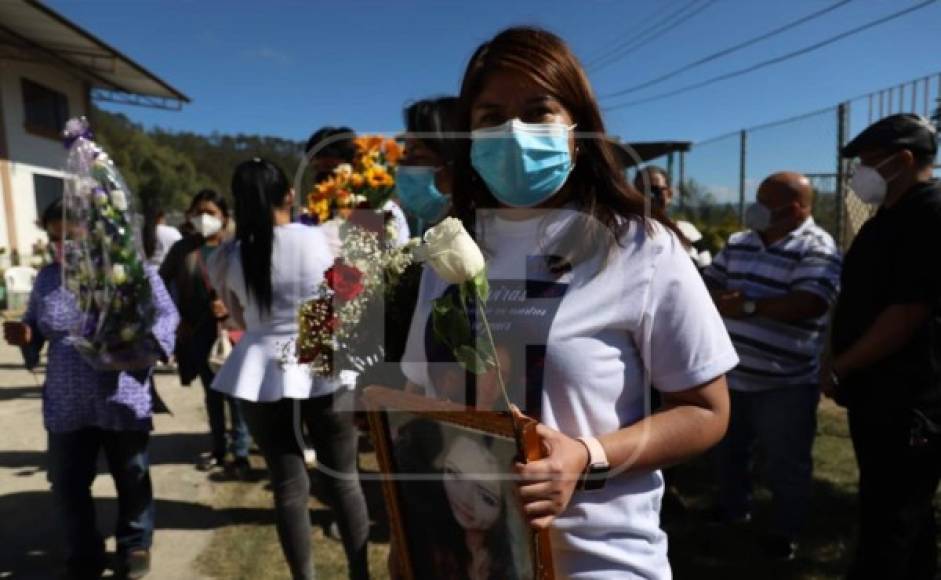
x: 367, y: 183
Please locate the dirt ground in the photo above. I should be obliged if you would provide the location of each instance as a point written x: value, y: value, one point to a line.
x: 29, y: 535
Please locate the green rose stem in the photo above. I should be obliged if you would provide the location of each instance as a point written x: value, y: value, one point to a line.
x: 482, y: 309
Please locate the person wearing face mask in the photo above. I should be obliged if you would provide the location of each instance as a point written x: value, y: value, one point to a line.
x: 264, y: 274
x: 578, y: 268
x: 774, y: 285
x: 886, y: 348
x: 202, y: 311
x: 655, y: 181
x: 423, y: 178
x: 87, y: 412
x: 422, y: 186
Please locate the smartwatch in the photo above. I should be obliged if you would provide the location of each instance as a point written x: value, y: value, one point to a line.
x: 596, y: 472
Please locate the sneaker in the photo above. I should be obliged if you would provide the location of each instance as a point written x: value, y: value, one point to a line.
x: 135, y: 565
x: 780, y: 548
x: 209, y: 462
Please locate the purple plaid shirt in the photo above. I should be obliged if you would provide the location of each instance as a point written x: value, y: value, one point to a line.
x: 75, y: 395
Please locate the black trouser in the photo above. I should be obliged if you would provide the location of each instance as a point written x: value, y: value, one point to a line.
x: 335, y: 439
x: 73, y: 463
x: 897, y: 485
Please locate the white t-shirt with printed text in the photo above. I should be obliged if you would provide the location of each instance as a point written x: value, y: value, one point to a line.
x: 580, y: 348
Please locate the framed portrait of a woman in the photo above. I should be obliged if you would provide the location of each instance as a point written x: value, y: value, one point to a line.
x: 449, y: 488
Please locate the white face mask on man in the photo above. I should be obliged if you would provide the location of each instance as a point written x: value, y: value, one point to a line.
x: 869, y: 185
x: 206, y: 225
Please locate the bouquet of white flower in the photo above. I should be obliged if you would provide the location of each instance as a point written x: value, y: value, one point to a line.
x: 102, y: 265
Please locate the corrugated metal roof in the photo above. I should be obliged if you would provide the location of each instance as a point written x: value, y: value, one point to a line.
x: 29, y: 29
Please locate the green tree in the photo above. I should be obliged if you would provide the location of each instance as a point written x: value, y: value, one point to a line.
x: 164, y: 168
x: 157, y: 175
x: 716, y: 221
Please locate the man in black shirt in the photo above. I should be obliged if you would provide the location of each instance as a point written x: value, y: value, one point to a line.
x: 886, y: 347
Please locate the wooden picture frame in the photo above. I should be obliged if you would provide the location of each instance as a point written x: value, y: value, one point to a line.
x: 418, y: 441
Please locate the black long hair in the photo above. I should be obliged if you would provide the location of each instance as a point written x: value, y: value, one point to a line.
x: 258, y: 186
x: 437, y: 116
x: 149, y: 233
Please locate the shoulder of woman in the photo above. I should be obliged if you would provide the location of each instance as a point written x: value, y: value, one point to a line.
x: 647, y: 236
x: 48, y: 274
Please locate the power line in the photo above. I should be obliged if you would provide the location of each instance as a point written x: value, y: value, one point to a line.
x: 602, y: 52
x: 772, y: 61
x: 672, y: 20
x: 727, y: 51
x: 650, y: 34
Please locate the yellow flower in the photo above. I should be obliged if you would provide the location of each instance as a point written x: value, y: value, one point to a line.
x: 368, y: 143
x: 325, y: 189
x: 393, y: 151
x: 357, y: 180
x: 377, y: 176
x: 320, y: 208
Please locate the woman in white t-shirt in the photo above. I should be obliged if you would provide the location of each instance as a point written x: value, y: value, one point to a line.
x: 593, y: 299
x: 271, y: 268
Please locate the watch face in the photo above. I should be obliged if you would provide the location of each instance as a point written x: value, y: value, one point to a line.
x: 749, y: 307
x: 596, y: 477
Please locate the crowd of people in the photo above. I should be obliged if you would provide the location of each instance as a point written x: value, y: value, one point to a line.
x: 737, y: 347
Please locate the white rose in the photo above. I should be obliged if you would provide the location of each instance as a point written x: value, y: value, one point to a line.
x: 118, y: 275
x: 119, y: 199
x: 452, y: 253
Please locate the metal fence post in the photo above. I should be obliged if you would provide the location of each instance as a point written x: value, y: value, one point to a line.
x: 842, y: 116
x: 672, y: 176
x: 682, y: 183
x: 741, y: 176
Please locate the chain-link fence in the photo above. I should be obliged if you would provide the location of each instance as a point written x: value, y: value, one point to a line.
x: 720, y: 176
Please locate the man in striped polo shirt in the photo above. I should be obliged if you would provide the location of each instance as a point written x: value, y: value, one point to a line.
x: 774, y: 284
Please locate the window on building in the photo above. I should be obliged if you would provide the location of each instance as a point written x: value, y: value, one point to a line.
x: 46, y: 110
x: 48, y: 189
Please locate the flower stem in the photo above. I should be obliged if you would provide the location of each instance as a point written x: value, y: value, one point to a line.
x: 482, y: 310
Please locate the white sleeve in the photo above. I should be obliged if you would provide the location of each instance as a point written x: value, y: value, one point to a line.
x: 401, y: 223
x: 414, y: 360
x: 682, y: 338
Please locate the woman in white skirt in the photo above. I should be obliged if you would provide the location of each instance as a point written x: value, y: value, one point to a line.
x: 270, y: 268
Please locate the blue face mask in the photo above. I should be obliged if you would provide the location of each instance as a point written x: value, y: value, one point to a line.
x: 523, y: 164
x: 415, y: 188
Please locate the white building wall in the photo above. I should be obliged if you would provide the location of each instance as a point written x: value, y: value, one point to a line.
x: 29, y: 153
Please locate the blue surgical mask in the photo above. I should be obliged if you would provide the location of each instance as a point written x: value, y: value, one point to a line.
x: 523, y: 164
x: 415, y: 188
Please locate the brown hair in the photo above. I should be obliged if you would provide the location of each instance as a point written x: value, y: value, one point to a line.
x: 597, y: 184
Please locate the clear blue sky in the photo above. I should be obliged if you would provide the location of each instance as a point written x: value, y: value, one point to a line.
x: 285, y: 68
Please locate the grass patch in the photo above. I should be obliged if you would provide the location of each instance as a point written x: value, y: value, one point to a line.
x: 249, y: 550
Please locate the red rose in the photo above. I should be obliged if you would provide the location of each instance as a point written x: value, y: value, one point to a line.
x: 346, y: 281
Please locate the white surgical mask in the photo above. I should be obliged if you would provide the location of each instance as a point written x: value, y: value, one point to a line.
x: 206, y: 225
x: 757, y: 217
x: 869, y: 185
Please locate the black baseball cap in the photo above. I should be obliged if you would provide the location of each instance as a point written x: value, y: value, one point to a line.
x: 902, y: 131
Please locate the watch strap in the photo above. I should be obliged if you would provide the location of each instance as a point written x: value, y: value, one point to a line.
x: 596, y: 455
